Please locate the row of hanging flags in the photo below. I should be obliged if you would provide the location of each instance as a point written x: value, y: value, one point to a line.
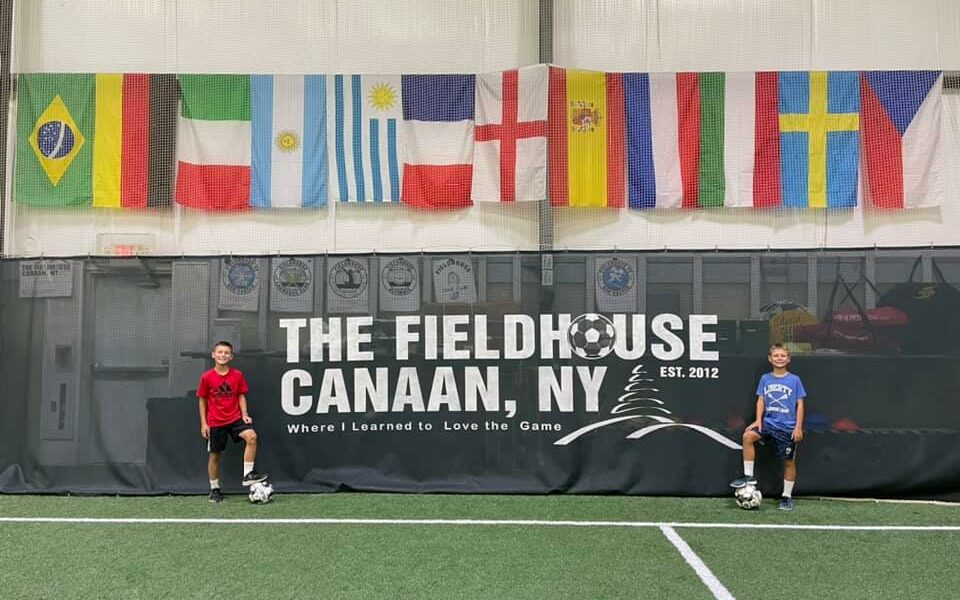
x: 580, y: 138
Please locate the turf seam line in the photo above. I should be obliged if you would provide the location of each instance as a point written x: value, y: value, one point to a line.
x: 462, y: 522
x: 719, y: 591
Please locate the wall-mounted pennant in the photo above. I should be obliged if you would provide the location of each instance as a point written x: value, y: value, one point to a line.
x: 616, y: 284
x: 399, y: 284
x: 239, y: 284
x: 291, y: 285
x: 454, y: 280
x: 348, y: 285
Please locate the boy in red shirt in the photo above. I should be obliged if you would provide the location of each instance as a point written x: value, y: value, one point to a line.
x: 223, y: 414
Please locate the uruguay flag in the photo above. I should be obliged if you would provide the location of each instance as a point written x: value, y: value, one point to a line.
x: 438, y: 121
x: 365, y: 114
x: 288, y: 141
x: 901, y: 125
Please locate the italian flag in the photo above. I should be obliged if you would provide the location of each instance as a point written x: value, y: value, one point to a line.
x: 213, y: 149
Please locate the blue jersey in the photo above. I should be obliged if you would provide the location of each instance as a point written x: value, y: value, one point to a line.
x: 780, y: 396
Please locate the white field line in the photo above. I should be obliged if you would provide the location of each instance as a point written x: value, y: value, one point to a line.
x: 892, y: 501
x: 470, y: 522
x: 719, y: 591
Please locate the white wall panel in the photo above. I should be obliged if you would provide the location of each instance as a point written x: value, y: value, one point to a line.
x: 279, y: 36
x: 748, y: 228
x: 288, y: 36
x: 751, y: 35
x: 276, y: 36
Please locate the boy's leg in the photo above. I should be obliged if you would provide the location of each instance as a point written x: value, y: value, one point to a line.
x: 250, y: 445
x: 213, y: 473
x: 750, y: 438
x: 213, y: 466
x: 789, y: 478
x: 250, y: 475
x: 790, y: 471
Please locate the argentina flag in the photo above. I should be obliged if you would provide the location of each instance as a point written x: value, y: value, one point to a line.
x: 365, y: 112
x: 288, y: 141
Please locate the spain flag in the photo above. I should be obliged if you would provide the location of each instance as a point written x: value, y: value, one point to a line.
x: 586, y: 138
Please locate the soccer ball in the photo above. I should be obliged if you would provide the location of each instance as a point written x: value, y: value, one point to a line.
x: 748, y: 497
x: 591, y: 336
x: 260, y: 492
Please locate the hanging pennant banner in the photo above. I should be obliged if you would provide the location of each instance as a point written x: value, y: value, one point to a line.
x: 453, y: 280
x: 291, y: 284
x: 348, y: 285
x: 399, y: 284
x: 239, y: 284
x: 616, y: 284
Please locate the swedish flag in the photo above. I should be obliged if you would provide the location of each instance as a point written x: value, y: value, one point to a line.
x: 820, y: 138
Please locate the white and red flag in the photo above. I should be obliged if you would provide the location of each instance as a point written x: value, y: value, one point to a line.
x: 510, y: 148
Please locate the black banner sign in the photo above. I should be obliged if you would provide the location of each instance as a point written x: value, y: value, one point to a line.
x: 454, y: 398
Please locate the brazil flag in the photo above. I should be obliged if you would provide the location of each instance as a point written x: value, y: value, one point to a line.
x: 55, y: 122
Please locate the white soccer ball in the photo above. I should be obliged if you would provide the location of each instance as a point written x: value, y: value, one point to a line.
x: 260, y: 492
x: 748, y: 497
x: 591, y: 336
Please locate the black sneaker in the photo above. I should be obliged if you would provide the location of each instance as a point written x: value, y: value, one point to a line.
x: 742, y: 482
x: 216, y: 496
x: 253, y: 477
x: 786, y: 503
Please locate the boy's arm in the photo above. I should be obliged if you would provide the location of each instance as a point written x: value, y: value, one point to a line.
x: 758, y: 421
x: 243, y: 409
x: 204, y: 429
x: 798, y: 430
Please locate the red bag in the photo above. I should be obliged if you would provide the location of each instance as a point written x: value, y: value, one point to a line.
x: 882, y: 316
x: 840, y: 337
x: 858, y: 334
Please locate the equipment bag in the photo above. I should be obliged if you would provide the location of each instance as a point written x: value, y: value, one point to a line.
x: 934, y: 312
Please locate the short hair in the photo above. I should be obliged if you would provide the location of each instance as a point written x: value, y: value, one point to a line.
x: 223, y: 343
x: 778, y: 346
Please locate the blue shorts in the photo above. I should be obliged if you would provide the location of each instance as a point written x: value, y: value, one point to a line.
x: 782, y: 442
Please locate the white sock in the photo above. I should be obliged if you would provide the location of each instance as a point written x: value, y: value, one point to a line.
x: 214, y: 484
x: 748, y: 468
x: 247, y: 467
x: 787, y: 488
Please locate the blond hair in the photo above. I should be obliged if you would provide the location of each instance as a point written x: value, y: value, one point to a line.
x: 778, y: 347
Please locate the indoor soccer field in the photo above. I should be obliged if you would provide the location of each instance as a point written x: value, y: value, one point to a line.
x: 455, y: 546
x: 498, y: 295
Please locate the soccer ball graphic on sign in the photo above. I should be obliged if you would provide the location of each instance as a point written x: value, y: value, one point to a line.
x: 748, y: 497
x: 591, y: 336
x: 260, y: 492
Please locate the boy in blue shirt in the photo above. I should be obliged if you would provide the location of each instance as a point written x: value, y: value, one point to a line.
x: 780, y: 398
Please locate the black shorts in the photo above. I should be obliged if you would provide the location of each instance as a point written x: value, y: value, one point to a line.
x: 217, y: 441
x: 782, y: 442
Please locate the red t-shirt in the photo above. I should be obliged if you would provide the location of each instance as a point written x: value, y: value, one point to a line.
x: 223, y: 395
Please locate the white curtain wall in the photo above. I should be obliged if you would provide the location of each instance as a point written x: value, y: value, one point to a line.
x: 442, y: 36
